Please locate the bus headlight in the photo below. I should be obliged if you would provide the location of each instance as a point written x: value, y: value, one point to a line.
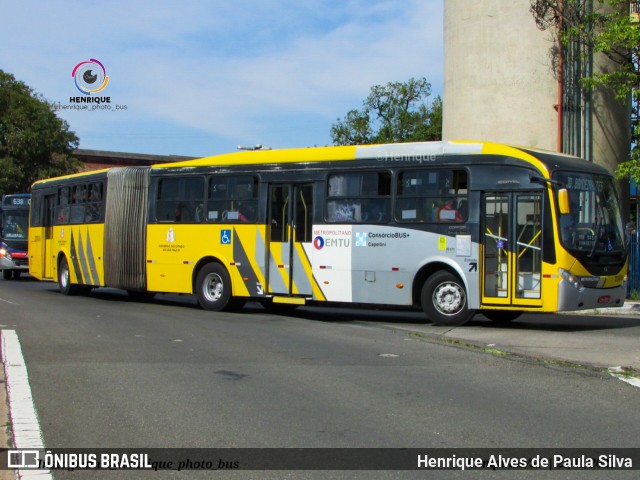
x: 3, y: 252
x: 572, y: 279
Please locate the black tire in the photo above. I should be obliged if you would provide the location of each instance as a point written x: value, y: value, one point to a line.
x: 64, y: 279
x: 16, y: 274
x: 501, y: 316
x: 6, y: 274
x: 213, y: 287
x: 444, y: 300
x: 236, y: 304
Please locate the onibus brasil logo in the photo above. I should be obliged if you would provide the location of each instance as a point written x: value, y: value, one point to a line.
x: 90, y: 76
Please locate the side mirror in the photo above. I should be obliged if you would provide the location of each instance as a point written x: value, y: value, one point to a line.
x: 563, y: 201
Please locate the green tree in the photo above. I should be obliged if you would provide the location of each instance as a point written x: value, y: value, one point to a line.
x: 605, y: 27
x: 395, y: 112
x: 34, y: 142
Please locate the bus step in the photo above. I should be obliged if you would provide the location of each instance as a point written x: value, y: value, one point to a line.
x: 289, y: 300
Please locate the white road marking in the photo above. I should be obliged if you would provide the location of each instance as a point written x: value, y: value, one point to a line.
x: 618, y: 372
x: 9, y: 302
x: 24, y: 419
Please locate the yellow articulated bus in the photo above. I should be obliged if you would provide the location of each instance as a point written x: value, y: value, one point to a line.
x: 451, y: 227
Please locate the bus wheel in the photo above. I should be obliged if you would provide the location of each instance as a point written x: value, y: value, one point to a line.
x: 213, y: 287
x: 16, y: 274
x: 444, y: 300
x: 6, y: 274
x: 64, y: 279
x: 501, y: 316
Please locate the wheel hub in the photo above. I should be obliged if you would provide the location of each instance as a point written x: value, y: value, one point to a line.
x: 213, y: 287
x: 449, y: 298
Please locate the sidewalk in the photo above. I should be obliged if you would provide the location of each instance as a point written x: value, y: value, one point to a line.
x: 602, y: 338
x: 630, y: 307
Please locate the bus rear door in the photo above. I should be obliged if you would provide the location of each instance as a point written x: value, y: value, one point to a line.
x: 289, y: 230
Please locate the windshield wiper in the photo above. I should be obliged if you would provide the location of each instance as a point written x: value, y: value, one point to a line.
x: 596, y: 240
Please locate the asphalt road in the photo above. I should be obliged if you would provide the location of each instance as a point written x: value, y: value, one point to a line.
x: 109, y: 372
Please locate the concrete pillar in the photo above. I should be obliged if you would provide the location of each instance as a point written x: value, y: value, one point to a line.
x: 499, y: 82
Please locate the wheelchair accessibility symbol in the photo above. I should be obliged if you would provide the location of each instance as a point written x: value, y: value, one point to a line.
x: 225, y: 237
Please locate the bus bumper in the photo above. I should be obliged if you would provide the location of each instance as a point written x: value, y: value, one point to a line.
x: 10, y: 264
x: 572, y: 298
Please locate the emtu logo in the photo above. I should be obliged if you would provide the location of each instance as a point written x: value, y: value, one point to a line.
x: 90, y: 76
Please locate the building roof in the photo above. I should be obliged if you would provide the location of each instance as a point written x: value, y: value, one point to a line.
x: 99, y: 159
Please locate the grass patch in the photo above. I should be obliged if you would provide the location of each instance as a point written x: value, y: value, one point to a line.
x: 627, y: 372
x: 549, y: 362
x: 461, y: 343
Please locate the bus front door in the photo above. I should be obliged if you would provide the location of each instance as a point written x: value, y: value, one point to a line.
x: 512, y: 249
x: 48, y: 255
x: 289, y: 231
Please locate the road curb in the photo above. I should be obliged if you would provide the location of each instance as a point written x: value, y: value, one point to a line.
x: 629, y: 308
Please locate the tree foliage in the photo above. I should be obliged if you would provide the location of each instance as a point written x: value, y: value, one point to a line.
x: 605, y: 27
x: 395, y: 112
x: 34, y: 142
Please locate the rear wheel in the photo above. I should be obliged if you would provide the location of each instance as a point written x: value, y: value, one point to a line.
x: 16, y: 274
x: 213, y: 287
x: 444, y: 300
x: 64, y: 279
x: 6, y: 274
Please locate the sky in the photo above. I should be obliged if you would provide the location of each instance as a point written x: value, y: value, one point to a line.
x: 199, y: 78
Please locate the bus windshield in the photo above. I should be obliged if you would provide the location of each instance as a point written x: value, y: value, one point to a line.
x: 593, y: 225
x: 15, y: 224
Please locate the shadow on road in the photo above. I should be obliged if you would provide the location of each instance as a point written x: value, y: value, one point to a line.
x: 346, y: 313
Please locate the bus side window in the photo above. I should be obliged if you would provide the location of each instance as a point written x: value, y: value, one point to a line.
x: 77, y: 214
x: 178, y: 198
x: 431, y: 195
x: 62, y: 207
x: 348, y: 211
x: 358, y: 197
x: 232, y: 199
x: 374, y: 211
x: 62, y: 215
x: 94, y: 206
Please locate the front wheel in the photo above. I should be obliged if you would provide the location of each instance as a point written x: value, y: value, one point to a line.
x: 213, y: 287
x: 64, y: 279
x: 6, y: 274
x: 444, y: 300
